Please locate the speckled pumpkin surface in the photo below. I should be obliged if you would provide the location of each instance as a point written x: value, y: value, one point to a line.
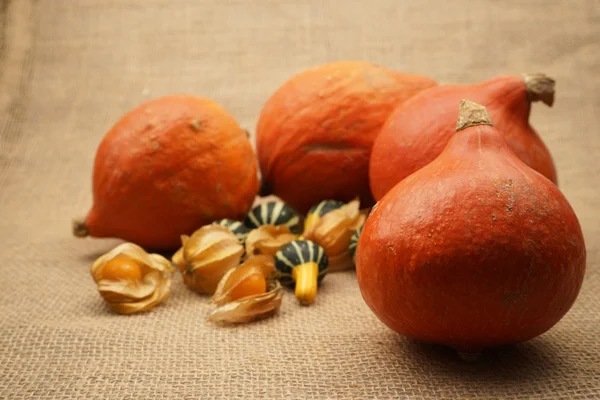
x: 315, y: 133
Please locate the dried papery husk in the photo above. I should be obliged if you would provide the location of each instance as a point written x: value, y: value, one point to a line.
x: 250, y: 308
x: 267, y: 240
x: 262, y: 265
x: 177, y: 258
x: 127, y: 296
x: 317, y: 211
x: 341, y: 262
x: 206, y: 256
x: 334, y: 231
x: 366, y: 211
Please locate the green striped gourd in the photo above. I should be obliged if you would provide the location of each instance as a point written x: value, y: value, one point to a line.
x: 273, y: 213
x: 316, y: 212
x: 354, y: 241
x: 302, y: 263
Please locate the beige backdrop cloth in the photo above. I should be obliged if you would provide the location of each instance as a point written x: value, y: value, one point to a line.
x: 69, y: 69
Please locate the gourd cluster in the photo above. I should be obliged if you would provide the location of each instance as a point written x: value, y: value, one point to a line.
x: 243, y: 265
x: 457, y: 251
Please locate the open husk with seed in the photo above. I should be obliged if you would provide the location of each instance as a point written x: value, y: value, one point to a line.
x: 206, y: 256
x: 267, y: 240
x: 238, y: 301
x: 150, y: 286
x: 333, y: 232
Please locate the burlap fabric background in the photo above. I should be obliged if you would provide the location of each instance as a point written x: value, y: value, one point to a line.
x: 69, y: 69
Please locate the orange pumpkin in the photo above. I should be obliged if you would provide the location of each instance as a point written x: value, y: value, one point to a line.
x: 166, y: 168
x: 315, y: 133
x: 475, y: 249
x: 417, y: 131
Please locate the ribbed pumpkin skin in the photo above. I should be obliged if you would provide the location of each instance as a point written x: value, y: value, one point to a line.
x: 168, y: 167
x: 473, y: 250
x: 315, y: 133
x: 417, y: 131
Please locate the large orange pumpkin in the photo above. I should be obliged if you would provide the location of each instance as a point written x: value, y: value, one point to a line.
x: 417, y: 131
x: 475, y: 249
x: 168, y: 167
x: 315, y: 133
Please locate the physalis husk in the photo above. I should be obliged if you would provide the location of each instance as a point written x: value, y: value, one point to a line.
x: 131, y: 280
x: 267, y: 240
x: 333, y: 232
x: 248, y: 292
x: 206, y: 256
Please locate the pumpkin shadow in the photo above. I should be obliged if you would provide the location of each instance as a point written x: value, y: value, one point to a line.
x: 511, y: 365
x: 168, y: 254
x: 98, y: 250
x: 90, y: 257
x: 88, y: 251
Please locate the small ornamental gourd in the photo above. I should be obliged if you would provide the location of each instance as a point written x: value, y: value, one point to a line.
x: 333, y: 232
x: 474, y: 250
x: 316, y: 212
x: 247, y: 293
x: 131, y: 280
x: 273, y: 213
x: 240, y: 230
x: 354, y: 242
x: 302, y: 263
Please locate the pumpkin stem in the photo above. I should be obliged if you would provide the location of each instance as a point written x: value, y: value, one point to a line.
x: 540, y: 87
x: 306, y: 276
x: 472, y: 114
x: 80, y: 228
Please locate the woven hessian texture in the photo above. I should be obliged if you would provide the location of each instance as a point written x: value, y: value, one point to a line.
x: 69, y: 69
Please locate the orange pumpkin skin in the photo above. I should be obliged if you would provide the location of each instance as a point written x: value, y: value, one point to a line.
x: 314, y: 135
x: 168, y: 167
x: 417, y: 131
x: 473, y: 250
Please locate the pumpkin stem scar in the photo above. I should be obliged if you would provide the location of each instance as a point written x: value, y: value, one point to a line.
x: 195, y: 124
x: 472, y: 114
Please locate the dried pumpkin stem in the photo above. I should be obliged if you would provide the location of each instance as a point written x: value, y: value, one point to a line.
x: 80, y: 228
x: 472, y: 114
x: 306, y: 276
x: 540, y: 87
